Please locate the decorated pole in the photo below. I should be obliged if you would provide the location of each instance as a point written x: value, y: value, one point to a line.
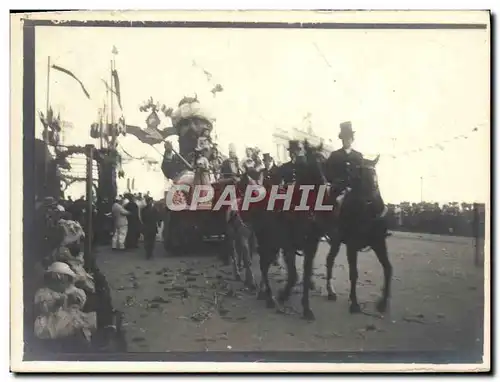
x: 111, y: 107
x: 89, y: 151
x: 47, y: 105
x: 46, y: 124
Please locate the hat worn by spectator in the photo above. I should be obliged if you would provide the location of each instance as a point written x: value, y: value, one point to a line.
x: 267, y: 157
x: 61, y: 268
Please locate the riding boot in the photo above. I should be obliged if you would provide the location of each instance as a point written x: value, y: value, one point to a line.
x: 382, y: 210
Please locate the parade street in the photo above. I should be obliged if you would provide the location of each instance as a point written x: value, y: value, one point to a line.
x: 191, y: 303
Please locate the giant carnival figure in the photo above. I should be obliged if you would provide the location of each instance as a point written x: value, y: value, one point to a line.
x: 192, y: 165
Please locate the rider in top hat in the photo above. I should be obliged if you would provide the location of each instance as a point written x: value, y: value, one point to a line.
x: 341, y: 161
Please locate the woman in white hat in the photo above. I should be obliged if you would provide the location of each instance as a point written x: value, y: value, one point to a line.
x: 59, y: 276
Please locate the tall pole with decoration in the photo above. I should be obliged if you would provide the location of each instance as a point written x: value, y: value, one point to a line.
x: 46, y: 126
x: 113, y: 85
x: 109, y: 157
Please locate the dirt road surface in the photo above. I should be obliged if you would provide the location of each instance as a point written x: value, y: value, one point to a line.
x: 191, y: 303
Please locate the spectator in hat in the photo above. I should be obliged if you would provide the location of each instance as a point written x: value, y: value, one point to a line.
x: 150, y: 222
x: 134, y: 224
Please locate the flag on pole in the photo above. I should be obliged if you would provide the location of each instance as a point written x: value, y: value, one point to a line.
x: 69, y: 73
x: 150, y: 136
x: 114, y: 91
x: 116, y: 80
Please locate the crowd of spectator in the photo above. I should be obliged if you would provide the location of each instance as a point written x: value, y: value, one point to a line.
x: 459, y: 219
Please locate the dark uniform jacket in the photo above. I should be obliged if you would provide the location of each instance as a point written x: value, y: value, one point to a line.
x: 270, y: 176
x: 287, y: 173
x: 339, y: 167
x: 150, y: 219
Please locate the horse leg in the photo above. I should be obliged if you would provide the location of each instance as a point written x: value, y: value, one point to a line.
x: 244, y: 237
x: 352, y: 259
x: 330, y: 261
x: 380, y: 249
x: 232, y: 252
x: 309, y: 254
x: 265, y: 292
x: 284, y: 294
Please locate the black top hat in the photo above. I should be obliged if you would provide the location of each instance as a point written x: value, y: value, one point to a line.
x: 346, y: 130
x: 293, y: 145
x: 267, y: 156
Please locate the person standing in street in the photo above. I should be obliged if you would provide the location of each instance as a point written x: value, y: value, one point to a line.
x: 150, y: 221
x: 120, y: 225
x: 134, y: 229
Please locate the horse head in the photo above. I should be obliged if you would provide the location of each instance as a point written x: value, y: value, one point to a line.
x: 315, y: 158
x: 371, y: 163
x: 369, y: 178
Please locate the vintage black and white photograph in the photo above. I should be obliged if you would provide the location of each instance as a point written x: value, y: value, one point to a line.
x: 251, y: 187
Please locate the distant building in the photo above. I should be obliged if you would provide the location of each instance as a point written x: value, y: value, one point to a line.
x: 281, y: 137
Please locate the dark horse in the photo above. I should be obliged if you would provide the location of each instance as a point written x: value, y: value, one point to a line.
x: 359, y: 225
x: 291, y: 231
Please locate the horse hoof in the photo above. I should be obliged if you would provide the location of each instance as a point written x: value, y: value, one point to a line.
x: 280, y: 306
x: 354, y: 308
x: 270, y: 304
x: 261, y: 295
x: 382, y: 306
x: 308, y: 315
x: 281, y: 297
x: 332, y: 297
x: 251, y: 286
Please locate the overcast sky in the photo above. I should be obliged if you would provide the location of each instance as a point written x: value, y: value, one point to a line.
x: 401, y: 89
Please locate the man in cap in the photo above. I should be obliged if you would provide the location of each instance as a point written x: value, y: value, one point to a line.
x: 288, y: 171
x: 287, y: 174
x: 270, y: 171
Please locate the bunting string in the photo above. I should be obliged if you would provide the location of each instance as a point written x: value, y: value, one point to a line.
x: 441, y: 145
